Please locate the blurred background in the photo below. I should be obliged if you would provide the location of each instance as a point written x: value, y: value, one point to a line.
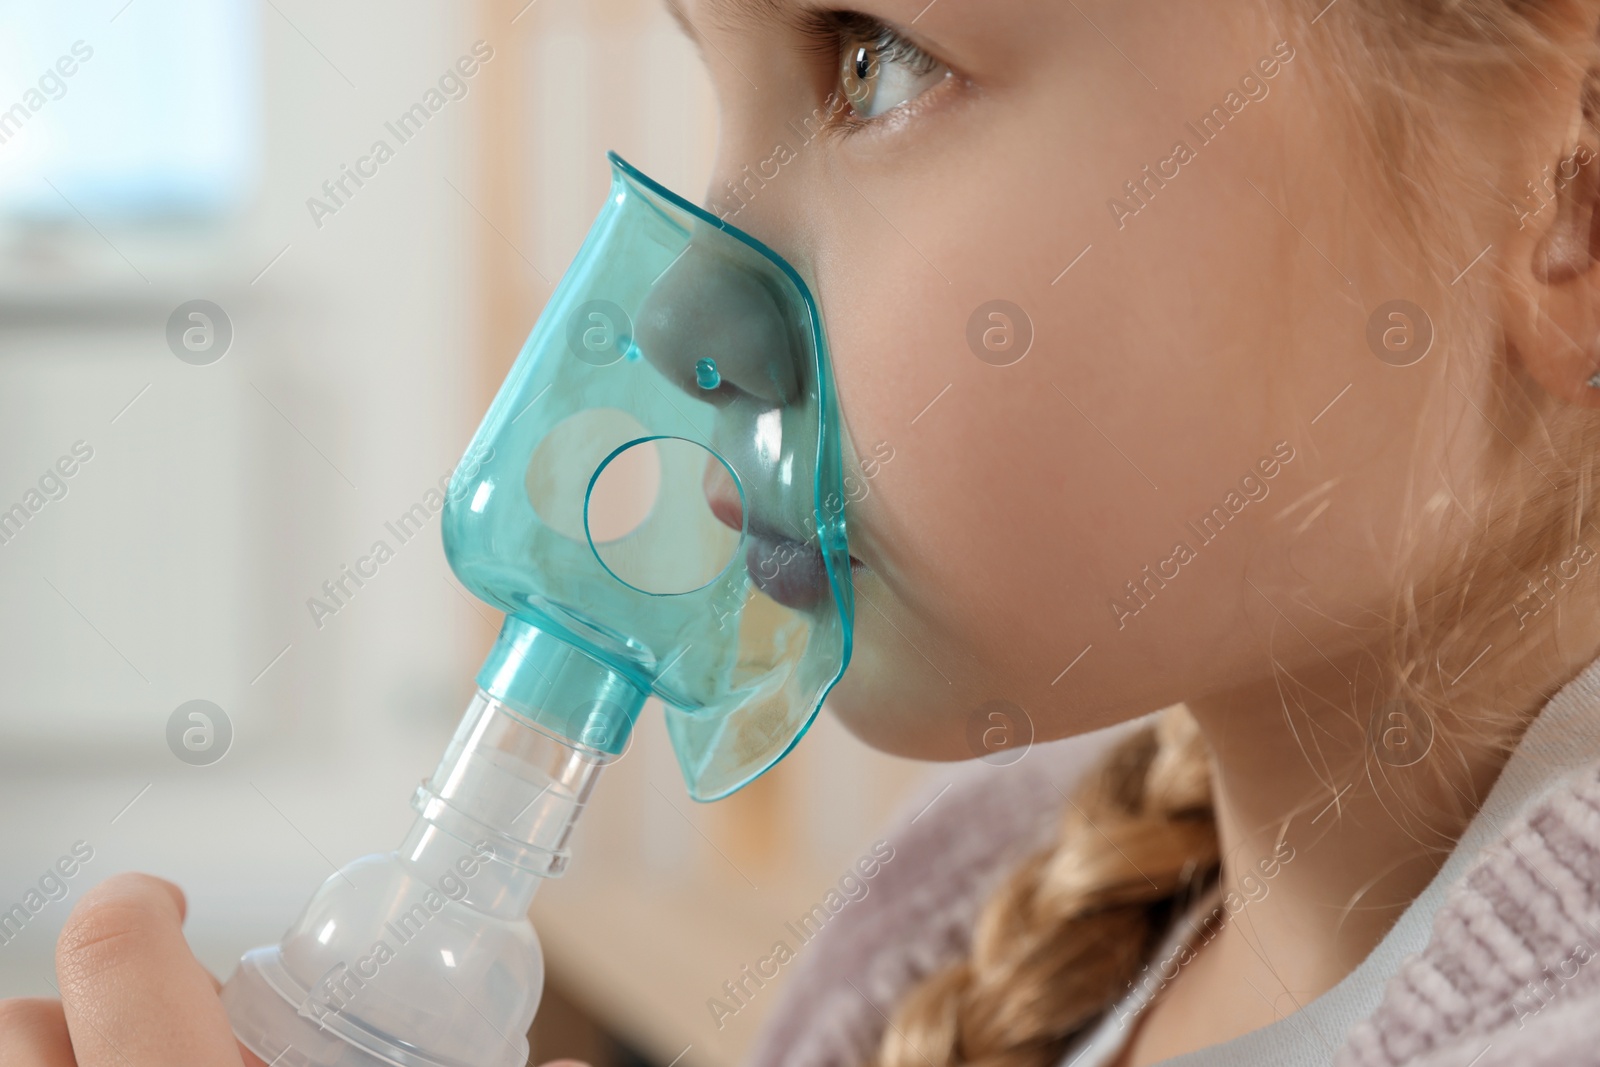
x: 179, y: 479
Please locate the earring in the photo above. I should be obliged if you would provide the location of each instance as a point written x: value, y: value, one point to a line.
x: 1594, y: 381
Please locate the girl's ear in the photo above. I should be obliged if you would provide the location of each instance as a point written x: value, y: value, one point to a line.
x: 1552, y: 313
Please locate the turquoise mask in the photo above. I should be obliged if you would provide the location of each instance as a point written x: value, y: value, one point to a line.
x: 655, y: 500
x: 659, y: 484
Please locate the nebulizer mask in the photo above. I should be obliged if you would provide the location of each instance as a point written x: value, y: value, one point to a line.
x: 655, y: 499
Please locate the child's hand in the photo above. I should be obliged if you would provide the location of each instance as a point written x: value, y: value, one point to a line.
x: 132, y: 994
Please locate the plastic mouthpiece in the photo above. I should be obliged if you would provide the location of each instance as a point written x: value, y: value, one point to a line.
x: 424, y: 956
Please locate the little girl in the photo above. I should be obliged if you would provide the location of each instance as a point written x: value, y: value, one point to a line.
x: 1238, y: 360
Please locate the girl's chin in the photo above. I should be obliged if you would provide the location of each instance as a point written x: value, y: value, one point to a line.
x: 885, y: 720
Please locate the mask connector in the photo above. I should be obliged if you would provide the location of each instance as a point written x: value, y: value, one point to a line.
x: 424, y: 956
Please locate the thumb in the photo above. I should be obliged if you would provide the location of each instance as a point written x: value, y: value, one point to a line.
x: 133, y: 993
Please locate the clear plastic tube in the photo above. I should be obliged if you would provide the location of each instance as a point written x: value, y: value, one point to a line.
x: 424, y: 956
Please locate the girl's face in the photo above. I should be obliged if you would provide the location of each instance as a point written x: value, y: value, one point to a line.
x: 1106, y: 290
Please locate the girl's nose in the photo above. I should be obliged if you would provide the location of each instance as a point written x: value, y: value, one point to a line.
x: 717, y: 330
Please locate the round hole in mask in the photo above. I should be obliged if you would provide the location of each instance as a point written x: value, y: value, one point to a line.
x: 681, y: 545
x: 563, y: 464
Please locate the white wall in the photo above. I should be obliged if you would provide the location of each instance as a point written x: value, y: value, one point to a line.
x: 214, y: 506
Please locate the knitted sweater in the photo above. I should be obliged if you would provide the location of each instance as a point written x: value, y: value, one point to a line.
x: 1496, y: 964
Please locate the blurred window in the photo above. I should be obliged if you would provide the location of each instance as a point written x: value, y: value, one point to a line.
x: 131, y: 111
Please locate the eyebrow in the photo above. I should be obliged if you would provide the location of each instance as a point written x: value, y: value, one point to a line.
x: 733, y: 14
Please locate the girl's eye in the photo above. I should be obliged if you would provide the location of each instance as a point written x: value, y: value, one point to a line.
x: 879, y: 70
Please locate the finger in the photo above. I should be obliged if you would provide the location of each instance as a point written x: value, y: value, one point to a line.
x: 132, y: 992
x: 250, y: 1058
x: 33, y: 1033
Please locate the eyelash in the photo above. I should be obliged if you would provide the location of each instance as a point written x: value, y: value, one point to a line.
x: 827, y: 32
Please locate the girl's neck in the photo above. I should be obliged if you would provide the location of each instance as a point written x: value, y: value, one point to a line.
x: 1326, y: 839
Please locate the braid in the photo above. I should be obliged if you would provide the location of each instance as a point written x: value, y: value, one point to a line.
x: 1065, y: 932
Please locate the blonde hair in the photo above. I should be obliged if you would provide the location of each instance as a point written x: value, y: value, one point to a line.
x: 1062, y: 938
